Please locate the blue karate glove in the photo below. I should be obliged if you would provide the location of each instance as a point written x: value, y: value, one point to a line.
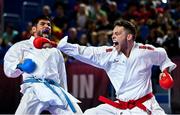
x: 28, y: 66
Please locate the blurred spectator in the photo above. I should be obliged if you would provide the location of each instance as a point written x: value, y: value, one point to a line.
x: 84, y: 40
x: 82, y: 16
x: 103, y: 38
x: 9, y: 34
x: 132, y: 12
x: 144, y: 12
x: 27, y: 33
x: 103, y: 23
x: 3, y: 49
x: 72, y: 35
x: 96, y: 11
x: 171, y: 43
x: 113, y: 12
x: 46, y: 11
x: 60, y: 19
x: 152, y: 38
x: 57, y: 33
x: 94, y: 39
x: 90, y: 28
x: 175, y: 9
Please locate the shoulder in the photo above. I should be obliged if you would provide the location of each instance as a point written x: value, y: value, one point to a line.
x: 23, y: 42
x: 146, y: 47
x: 150, y: 48
x: 108, y: 49
x: 17, y: 45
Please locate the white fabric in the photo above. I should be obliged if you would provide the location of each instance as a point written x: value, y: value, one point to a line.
x: 50, y: 65
x: 30, y: 104
x: 131, y: 77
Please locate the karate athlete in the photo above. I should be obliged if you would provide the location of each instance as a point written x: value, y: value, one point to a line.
x: 128, y: 65
x: 44, y: 84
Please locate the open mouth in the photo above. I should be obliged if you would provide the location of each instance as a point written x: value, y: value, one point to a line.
x: 45, y: 31
x: 115, y: 43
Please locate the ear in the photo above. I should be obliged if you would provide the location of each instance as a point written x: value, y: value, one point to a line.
x: 33, y: 29
x: 129, y: 37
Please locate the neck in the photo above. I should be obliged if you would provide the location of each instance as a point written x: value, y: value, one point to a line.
x: 128, y: 49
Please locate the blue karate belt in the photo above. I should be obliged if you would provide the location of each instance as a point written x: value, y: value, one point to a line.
x: 47, y: 82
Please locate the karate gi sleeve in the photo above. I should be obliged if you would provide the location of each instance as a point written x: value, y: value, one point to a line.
x: 12, y: 58
x: 95, y: 56
x: 161, y: 58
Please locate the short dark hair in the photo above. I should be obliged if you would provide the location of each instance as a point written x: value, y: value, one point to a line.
x: 129, y: 26
x: 42, y: 17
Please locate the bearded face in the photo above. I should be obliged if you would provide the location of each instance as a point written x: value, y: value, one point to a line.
x: 42, y: 29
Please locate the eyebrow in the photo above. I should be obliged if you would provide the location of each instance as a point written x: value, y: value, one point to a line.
x: 43, y: 22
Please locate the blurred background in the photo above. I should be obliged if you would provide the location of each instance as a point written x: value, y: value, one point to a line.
x: 90, y: 23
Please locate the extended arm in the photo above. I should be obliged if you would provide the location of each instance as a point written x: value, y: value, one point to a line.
x: 161, y: 59
x: 95, y: 56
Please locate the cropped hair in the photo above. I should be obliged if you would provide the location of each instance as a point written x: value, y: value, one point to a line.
x: 42, y: 17
x: 129, y: 26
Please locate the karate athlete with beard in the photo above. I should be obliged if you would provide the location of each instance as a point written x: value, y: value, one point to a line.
x: 128, y: 65
x: 42, y: 67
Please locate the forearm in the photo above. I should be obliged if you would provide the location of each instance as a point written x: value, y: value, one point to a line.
x: 90, y: 55
x: 10, y: 69
x: 70, y: 49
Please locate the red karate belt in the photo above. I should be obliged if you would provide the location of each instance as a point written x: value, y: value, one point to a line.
x: 130, y: 104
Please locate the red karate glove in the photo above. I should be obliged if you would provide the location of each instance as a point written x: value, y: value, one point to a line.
x: 41, y: 42
x: 165, y: 80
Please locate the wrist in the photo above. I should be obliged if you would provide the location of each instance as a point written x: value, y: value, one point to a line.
x: 19, y: 66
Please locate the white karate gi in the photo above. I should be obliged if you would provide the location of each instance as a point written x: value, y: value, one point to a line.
x: 50, y: 65
x: 131, y: 77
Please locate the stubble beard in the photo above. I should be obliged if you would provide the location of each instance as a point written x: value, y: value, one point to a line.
x: 45, y: 35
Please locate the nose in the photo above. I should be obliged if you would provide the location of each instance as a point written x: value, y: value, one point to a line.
x: 113, y: 37
x: 47, y: 25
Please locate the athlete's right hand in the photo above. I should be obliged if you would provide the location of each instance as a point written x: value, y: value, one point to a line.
x: 28, y: 66
x: 62, y: 42
x: 41, y: 42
